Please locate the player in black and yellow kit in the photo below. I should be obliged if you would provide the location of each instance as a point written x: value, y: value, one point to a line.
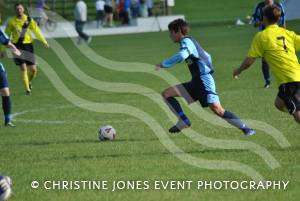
x: 278, y: 46
x: 19, y: 29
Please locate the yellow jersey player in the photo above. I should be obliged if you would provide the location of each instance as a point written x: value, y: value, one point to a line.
x: 278, y: 46
x: 18, y: 29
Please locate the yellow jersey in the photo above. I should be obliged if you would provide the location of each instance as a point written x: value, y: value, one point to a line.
x: 278, y: 47
x: 14, y: 29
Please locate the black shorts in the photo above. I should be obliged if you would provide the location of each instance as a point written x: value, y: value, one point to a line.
x: 290, y: 94
x: 196, y: 91
x: 108, y: 9
x: 27, y: 55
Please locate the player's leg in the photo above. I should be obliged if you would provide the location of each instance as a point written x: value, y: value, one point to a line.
x: 288, y: 99
x: 231, y: 118
x: 280, y: 105
x: 32, y: 74
x: 297, y: 116
x: 169, y: 96
x: 266, y: 73
x: 6, y: 101
x: 21, y: 62
x: 24, y: 77
x: 213, y: 101
x: 6, y: 106
x: 31, y: 64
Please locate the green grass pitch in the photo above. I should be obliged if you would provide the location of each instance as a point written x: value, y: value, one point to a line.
x: 56, y: 133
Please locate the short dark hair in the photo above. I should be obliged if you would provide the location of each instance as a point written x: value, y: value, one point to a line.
x: 18, y: 4
x: 179, y: 25
x: 272, y: 13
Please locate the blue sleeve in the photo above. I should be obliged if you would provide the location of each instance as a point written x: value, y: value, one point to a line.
x: 177, y: 58
x: 3, y: 38
x: 183, y: 54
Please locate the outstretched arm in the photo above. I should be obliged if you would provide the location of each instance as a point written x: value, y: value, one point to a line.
x: 175, y: 59
x: 244, y: 66
x: 13, y: 48
x: 38, y: 33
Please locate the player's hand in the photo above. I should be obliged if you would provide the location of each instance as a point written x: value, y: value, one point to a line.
x: 46, y: 45
x: 158, y: 67
x: 16, y: 51
x: 236, y: 73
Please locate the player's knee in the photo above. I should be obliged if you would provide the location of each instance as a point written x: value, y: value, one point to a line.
x: 23, y: 67
x: 297, y: 116
x: 217, y: 109
x: 280, y: 107
x: 5, y: 92
x: 165, y: 94
x: 34, y: 70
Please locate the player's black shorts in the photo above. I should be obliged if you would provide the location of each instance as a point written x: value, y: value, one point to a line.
x: 108, y: 9
x: 27, y: 55
x: 290, y: 94
x: 196, y: 90
x: 3, y: 80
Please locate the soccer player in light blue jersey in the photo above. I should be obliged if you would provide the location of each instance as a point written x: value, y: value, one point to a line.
x: 202, y: 86
x: 4, y: 90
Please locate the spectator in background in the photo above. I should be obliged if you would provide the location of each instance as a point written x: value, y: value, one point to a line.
x: 169, y: 4
x: 99, y: 12
x: 135, y: 8
x: 149, y: 7
x: 40, y: 13
x: 80, y: 20
x: 258, y: 22
x: 143, y: 9
x: 108, y: 9
x: 124, y: 11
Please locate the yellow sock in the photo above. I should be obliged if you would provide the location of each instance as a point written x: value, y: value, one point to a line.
x: 31, y: 75
x: 25, y: 79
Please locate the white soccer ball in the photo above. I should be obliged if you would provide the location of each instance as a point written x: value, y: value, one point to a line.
x: 107, y: 132
x: 5, y: 188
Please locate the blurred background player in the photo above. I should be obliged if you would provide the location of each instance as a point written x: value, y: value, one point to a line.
x: 80, y: 20
x: 19, y: 29
x: 202, y: 86
x: 257, y: 22
x: 99, y: 12
x: 108, y: 10
x: 281, y: 57
x: 4, y: 90
x: 41, y: 16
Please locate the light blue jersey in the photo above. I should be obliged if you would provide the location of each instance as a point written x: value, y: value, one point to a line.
x: 201, y: 69
x: 189, y: 47
x: 3, y: 40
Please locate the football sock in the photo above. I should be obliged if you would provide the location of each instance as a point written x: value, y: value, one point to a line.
x: 31, y: 75
x: 6, y: 106
x: 25, y: 79
x: 234, y: 120
x: 176, y: 108
x: 266, y: 72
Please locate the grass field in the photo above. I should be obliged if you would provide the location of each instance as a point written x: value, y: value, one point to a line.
x: 56, y: 133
